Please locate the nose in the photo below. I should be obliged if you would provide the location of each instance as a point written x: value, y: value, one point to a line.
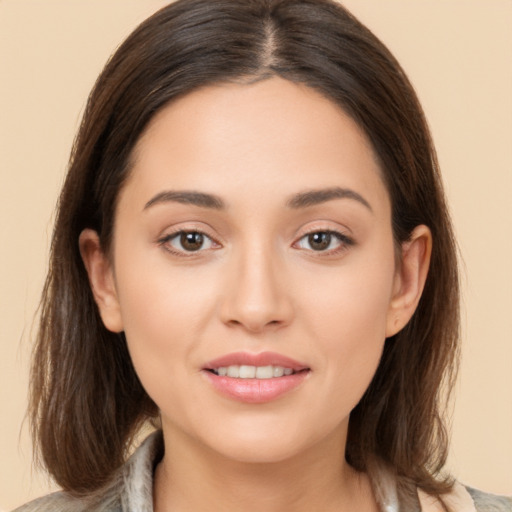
x: 256, y: 296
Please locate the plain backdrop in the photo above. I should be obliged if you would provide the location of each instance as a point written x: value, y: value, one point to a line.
x: 458, y: 54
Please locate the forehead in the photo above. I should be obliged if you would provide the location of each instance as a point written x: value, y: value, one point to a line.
x: 272, y: 134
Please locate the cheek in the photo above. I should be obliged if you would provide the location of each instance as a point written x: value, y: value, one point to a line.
x: 163, y: 312
x: 352, y: 301
x: 348, y: 316
x: 155, y: 293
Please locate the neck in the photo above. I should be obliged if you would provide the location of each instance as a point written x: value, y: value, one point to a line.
x: 192, y: 477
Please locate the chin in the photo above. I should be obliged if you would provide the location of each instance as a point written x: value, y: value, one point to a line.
x: 261, y: 451
x: 265, y: 442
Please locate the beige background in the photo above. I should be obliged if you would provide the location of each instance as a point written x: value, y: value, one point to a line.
x: 458, y: 54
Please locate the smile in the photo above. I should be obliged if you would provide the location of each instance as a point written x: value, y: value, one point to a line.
x: 255, y: 378
x: 252, y: 372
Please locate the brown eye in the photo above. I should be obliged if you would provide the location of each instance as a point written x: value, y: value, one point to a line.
x: 320, y: 241
x: 191, y: 241
x: 184, y: 242
x: 328, y: 242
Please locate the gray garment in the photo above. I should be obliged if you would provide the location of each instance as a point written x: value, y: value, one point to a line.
x: 131, y: 490
x: 489, y: 502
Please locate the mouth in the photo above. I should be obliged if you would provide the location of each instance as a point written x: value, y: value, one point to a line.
x: 255, y: 378
x: 253, y: 372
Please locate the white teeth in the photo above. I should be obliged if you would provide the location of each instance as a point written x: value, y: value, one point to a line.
x: 278, y: 371
x: 234, y: 371
x: 264, y: 372
x: 251, y: 372
x: 247, y: 372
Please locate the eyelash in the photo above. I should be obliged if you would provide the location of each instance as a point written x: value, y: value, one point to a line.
x: 167, y: 239
x: 344, y: 242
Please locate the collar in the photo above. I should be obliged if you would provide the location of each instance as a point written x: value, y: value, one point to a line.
x: 136, y: 484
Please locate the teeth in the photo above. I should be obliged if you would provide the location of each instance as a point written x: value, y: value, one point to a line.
x: 251, y: 372
x: 278, y: 371
x: 247, y: 372
x: 264, y: 372
x: 234, y: 371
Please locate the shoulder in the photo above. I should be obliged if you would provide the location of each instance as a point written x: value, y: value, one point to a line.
x: 485, y: 502
x: 130, y: 489
x: 465, y: 499
x: 63, y: 502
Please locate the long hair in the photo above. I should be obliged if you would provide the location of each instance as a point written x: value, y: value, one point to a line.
x: 86, y: 400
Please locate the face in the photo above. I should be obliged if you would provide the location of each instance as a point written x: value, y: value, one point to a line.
x: 254, y: 269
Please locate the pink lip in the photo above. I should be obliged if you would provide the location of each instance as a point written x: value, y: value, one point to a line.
x: 261, y: 359
x: 256, y: 391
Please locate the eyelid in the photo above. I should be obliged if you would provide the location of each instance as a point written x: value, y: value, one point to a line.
x: 342, y: 234
x: 172, y: 233
x: 346, y: 240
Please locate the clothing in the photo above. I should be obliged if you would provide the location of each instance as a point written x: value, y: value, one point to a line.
x: 132, y: 491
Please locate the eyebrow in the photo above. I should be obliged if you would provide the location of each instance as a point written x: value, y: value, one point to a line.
x: 187, y: 197
x: 300, y: 200
x: 315, y: 197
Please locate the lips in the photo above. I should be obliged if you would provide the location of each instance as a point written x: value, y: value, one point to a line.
x: 255, y: 378
x: 261, y: 359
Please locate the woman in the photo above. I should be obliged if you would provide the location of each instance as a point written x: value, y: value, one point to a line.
x: 261, y: 262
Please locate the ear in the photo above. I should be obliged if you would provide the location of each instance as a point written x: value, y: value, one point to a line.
x: 410, y: 277
x: 101, y: 279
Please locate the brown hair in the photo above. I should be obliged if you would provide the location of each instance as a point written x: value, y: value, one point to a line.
x: 86, y: 400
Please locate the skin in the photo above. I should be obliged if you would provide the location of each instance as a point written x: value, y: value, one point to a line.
x: 257, y: 284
